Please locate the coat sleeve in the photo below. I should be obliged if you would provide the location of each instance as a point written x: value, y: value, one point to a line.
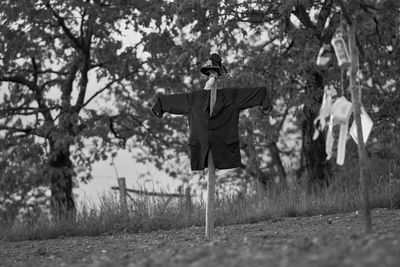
x: 251, y: 97
x: 174, y: 104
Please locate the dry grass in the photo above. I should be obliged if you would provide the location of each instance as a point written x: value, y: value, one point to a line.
x: 150, y: 213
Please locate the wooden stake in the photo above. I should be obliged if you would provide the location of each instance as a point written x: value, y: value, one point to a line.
x: 210, y: 196
x: 188, y: 204
x: 211, y: 174
x: 122, y: 196
x: 356, y: 100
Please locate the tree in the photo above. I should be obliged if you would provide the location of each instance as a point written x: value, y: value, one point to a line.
x: 51, y: 52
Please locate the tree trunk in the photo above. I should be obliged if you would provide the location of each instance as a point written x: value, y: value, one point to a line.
x: 61, y: 184
x: 319, y: 169
x: 253, y: 164
x: 277, y: 163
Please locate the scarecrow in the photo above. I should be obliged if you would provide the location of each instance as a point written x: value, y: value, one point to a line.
x: 213, y: 115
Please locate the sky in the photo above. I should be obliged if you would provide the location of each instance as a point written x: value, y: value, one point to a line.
x: 105, y: 176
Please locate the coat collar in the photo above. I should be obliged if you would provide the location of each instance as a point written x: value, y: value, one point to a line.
x: 220, y: 102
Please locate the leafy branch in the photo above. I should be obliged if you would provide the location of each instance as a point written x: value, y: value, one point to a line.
x: 109, y: 84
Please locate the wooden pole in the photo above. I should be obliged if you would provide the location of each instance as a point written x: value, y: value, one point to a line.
x: 122, y: 196
x: 211, y: 173
x: 356, y: 100
x: 145, y: 193
x: 188, y: 203
x: 210, y: 196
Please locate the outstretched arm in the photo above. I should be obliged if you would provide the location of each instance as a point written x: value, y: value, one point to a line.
x: 174, y: 104
x: 250, y: 97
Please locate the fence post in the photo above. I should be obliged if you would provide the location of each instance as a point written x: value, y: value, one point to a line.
x: 122, y: 196
x: 189, y: 204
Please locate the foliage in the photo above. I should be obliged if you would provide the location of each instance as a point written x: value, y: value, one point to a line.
x: 21, y: 180
x: 57, y: 58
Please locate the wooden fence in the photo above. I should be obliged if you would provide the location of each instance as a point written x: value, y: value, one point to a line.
x: 125, y: 192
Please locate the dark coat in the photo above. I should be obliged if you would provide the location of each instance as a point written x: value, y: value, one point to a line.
x: 218, y: 131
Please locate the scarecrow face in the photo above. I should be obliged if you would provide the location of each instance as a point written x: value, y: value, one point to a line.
x: 213, y: 73
x: 212, y: 78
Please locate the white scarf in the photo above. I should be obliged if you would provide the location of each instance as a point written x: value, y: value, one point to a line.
x: 212, y: 85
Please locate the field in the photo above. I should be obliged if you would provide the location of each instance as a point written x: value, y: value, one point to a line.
x: 321, y: 240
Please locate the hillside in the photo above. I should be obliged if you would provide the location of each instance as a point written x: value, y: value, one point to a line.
x: 333, y: 240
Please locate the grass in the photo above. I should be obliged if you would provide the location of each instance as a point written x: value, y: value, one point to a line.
x: 150, y: 213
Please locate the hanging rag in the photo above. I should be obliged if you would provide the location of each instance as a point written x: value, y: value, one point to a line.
x: 324, y: 55
x: 324, y: 111
x: 366, y: 126
x: 341, y: 111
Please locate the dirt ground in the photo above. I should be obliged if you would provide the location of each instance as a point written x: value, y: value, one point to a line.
x: 333, y: 240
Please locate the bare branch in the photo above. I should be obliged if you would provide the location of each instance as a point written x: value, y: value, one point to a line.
x: 111, y: 83
x: 35, y: 70
x: 86, y: 64
x: 50, y: 83
x: 324, y: 13
x: 25, y: 111
x: 67, y: 86
x: 83, y: 83
x: 21, y: 110
x: 33, y: 87
x: 301, y: 13
x: 114, y: 132
x: 83, y: 14
x: 87, y: 38
x: 123, y: 55
x: 285, y: 114
x: 291, y: 44
x: 345, y: 12
x: 63, y: 73
x: 27, y: 130
x: 266, y: 43
x: 61, y: 22
x: 20, y: 80
x: 102, y: 90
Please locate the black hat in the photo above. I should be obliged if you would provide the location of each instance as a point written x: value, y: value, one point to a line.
x: 214, y: 63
